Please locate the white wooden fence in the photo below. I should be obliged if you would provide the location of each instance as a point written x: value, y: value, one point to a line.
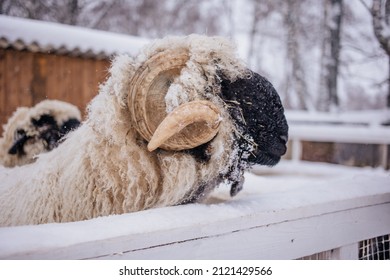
x: 356, y: 128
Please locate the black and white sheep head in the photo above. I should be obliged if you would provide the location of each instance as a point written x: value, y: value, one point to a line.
x: 31, y: 131
x: 257, y: 110
x: 209, y: 89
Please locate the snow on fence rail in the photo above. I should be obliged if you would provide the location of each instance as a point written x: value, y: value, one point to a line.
x: 370, y: 127
x: 328, y: 209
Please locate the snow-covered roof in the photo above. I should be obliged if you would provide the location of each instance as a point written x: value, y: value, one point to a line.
x: 39, y: 36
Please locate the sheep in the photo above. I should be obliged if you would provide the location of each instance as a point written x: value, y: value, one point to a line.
x: 167, y: 127
x: 31, y: 131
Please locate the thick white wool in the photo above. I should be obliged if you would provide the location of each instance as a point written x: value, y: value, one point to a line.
x: 104, y: 168
x: 60, y: 110
x: 21, y: 119
x: 175, y: 96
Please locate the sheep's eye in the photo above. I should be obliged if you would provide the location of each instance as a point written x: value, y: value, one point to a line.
x: 19, y: 134
x: 44, y: 120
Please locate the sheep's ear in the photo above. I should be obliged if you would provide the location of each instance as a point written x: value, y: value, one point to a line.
x: 69, y: 125
x: 15, y: 148
x: 45, y: 119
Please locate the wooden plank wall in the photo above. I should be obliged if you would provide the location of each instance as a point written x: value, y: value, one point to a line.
x: 27, y: 78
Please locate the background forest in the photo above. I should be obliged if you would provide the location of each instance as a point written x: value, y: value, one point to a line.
x: 329, y: 55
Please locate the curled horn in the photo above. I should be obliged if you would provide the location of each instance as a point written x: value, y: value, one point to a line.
x: 187, y: 126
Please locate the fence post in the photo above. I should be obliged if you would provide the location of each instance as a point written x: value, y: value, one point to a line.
x: 384, y: 151
x: 296, y: 149
x: 347, y: 252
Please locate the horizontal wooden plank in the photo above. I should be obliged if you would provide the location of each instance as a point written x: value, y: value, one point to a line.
x: 285, y: 240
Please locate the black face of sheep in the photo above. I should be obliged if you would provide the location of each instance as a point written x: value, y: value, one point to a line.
x: 262, y: 129
x: 47, y: 130
x: 256, y: 108
x: 20, y: 139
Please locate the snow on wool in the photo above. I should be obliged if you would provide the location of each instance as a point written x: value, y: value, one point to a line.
x: 107, y: 166
x: 31, y: 131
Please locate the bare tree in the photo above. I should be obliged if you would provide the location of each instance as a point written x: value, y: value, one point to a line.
x: 381, y: 22
x: 261, y: 10
x: 296, y: 85
x: 27, y: 9
x: 292, y: 33
x: 380, y: 11
x: 5, y: 6
x: 150, y: 18
x: 330, y: 61
x: 58, y: 11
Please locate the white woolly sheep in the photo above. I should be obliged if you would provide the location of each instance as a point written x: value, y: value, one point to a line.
x: 166, y: 128
x: 31, y: 131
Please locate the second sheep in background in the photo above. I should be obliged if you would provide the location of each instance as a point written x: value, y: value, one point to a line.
x: 31, y: 131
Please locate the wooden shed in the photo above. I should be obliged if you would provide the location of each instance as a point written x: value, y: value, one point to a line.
x: 45, y: 60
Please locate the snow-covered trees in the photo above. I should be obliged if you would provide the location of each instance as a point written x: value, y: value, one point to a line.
x: 319, y: 54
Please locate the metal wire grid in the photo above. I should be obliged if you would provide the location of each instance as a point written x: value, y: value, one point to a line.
x: 377, y: 248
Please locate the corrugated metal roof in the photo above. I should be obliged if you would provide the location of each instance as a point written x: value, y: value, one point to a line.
x: 49, y: 37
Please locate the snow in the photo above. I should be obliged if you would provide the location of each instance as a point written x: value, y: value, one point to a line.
x: 288, y: 185
x: 72, y: 38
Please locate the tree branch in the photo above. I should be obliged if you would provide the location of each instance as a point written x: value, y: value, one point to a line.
x: 365, y: 5
x: 380, y: 25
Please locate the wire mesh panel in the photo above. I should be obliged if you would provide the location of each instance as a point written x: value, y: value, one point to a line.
x: 377, y: 248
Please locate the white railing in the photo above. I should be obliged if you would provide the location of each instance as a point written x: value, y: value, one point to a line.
x: 281, y: 219
x: 355, y: 128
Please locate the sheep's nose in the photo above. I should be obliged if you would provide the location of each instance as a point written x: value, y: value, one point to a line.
x: 284, y: 138
x: 281, y: 147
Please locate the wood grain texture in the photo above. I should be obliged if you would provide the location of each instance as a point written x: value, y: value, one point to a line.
x: 27, y: 78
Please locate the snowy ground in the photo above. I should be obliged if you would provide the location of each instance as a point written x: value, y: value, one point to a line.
x: 289, y: 176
